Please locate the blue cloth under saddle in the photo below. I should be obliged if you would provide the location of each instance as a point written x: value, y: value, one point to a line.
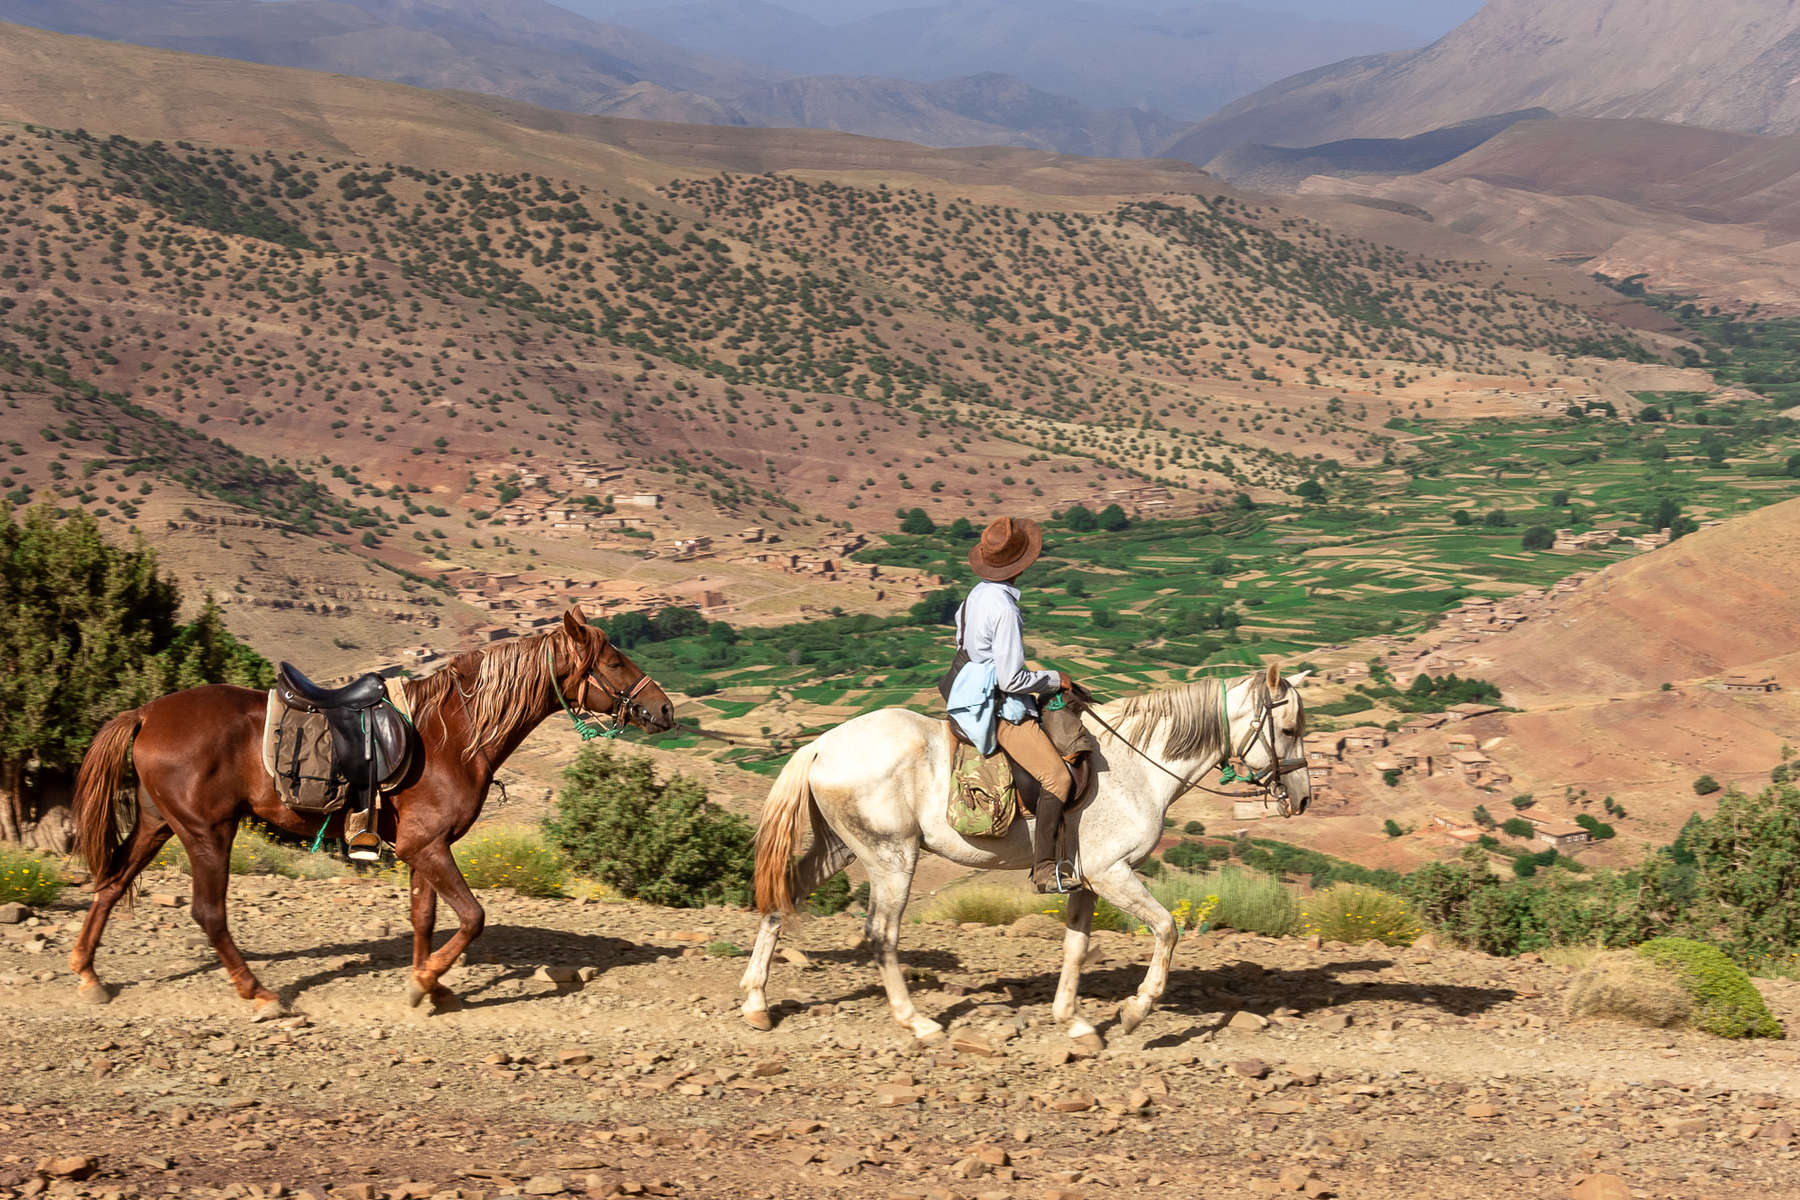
x: 976, y: 703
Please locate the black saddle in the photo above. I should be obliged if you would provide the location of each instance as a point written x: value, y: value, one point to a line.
x: 371, y: 742
x: 297, y: 691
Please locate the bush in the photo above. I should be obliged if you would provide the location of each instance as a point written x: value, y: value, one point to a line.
x: 1518, y: 827
x: 1392, y: 828
x: 1538, y: 537
x: 1186, y: 855
x: 1351, y: 912
x: 511, y: 857
x: 1726, y: 1003
x: 27, y: 878
x: 835, y: 895
x: 1706, y: 785
x: 659, y: 841
x: 1194, y: 828
x: 1624, y: 986
x: 1248, y: 900
x: 985, y: 904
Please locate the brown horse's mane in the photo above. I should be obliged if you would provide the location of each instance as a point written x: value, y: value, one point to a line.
x: 494, y: 683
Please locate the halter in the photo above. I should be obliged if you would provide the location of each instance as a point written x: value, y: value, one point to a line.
x: 621, y: 701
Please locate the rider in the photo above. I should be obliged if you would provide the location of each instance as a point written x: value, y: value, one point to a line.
x: 991, y: 630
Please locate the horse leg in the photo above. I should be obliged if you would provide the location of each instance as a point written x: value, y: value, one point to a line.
x: 146, y: 840
x: 756, y: 974
x: 1079, y: 920
x: 424, y: 918
x: 435, y: 862
x: 210, y: 854
x: 1120, y: 886
x: 889, y: 885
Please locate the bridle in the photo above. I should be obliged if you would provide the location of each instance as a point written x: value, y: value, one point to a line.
x: 1271, y: 779
x: 623, y: 701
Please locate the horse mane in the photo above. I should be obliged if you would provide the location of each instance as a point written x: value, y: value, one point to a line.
x: 1190, y: 716
x: 494, y: 682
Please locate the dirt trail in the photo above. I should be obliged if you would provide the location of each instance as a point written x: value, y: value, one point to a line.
x: 1380, y: 1072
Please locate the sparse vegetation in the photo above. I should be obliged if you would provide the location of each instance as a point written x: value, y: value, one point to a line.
x: 1351, y: 912
x: 515, y: 857
x: 27, y: 878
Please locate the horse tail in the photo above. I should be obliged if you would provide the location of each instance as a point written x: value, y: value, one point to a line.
x: 790, y: 802
x: 102, y: 814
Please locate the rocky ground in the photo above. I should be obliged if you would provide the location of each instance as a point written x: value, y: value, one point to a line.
x: 598, y: 1050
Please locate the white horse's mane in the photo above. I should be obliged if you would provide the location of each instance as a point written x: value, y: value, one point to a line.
x: 1189, y: 716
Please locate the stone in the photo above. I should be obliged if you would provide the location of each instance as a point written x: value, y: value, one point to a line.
x: 1600, y: 1187
x: 768, y: 1068
x: 893, y: 1095
x: 1247, y: 1022
x: 968, y: 1043
x: 165, y: 899
x: 1331, y: 1022
x: 1426, y: 941
x: 13, y: 912
x: 1777, y: 1131
x: 574, y: 1056
x: 1481, y: 1112
x: 1073, y: 1103
x: 556, y: 975
x: 545, y: 1185
x: 1251, y: 1068
x: 796, y: 958
x: 71, y: 1166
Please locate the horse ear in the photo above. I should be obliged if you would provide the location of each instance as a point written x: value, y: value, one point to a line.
x: 1274, y: 677
x: 1296, y: 680
x: 575, y: 623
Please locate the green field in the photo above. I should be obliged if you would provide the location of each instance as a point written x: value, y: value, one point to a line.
x: 1381, y: 552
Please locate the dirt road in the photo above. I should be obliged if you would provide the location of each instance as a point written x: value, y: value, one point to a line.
x: 1379, y: 1073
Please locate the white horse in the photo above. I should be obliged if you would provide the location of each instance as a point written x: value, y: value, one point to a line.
x: 874, y: 790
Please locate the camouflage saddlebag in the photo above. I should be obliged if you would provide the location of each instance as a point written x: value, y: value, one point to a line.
x: 983, y: 800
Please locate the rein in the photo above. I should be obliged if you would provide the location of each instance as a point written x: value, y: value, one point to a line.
x: 1262, y: 726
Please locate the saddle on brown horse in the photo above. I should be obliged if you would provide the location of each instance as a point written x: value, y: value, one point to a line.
x: 328, y: 746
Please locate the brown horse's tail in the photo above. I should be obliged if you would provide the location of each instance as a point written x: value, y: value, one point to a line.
x: 98, y: 823
x: 790, y: 803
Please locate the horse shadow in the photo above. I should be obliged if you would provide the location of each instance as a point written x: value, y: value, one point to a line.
x: 518, y: 949
x: 1223, y: 990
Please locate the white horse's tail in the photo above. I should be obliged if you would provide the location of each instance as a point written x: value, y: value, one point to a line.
x: 780, y: 878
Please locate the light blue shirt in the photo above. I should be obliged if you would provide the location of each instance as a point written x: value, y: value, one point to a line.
x: 993, y: 632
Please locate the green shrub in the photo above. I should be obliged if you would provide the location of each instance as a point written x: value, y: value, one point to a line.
x: 1194, y: 829
x: 1706, y: 785
x: 27, y: 878
x: 511, y: 857
x: 1351, y: 912
x: 1106, y: 916
x: 661, y: 841
x: 1726, y: 1003
x: 835, y: 895
x: 1186, y: 855
x: 1248, y: 900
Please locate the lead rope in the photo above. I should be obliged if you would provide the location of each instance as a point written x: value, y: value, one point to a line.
x: 588, y: 732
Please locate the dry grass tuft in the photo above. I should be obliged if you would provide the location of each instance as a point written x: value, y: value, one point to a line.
x: 1623, y: 986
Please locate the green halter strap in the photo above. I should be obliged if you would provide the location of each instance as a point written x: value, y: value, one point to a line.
x: 588, y: 732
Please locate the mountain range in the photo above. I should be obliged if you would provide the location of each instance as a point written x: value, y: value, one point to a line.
x: 938, y: 77
x: 1729, y: 65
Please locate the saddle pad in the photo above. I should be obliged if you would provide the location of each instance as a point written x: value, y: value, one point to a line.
x: 983, y: 801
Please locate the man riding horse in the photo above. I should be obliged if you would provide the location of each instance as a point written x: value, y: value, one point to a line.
x: 994, y: 698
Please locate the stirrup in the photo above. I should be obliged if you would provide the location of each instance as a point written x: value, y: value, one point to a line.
x: 1068, y: 881
x: 369, y: 853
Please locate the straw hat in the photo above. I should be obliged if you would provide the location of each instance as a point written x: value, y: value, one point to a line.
x: 1007, y: 546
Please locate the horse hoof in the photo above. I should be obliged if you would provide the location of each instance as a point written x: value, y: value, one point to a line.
x: 271, y: 1008
x: 1131, y: 1016
x: 415, y: 994
x: 926, y: 1030
x: 1089, y: 1043
x: 759, y: 1020
x: 94, y: 993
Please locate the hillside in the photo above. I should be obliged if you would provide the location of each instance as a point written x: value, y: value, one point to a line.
x: 1719, y: 66
x: 1692, y: 212
x: 544, y: 54
x: 1283, y: 169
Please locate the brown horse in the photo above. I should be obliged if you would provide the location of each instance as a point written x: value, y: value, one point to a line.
x: 197, y: 756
